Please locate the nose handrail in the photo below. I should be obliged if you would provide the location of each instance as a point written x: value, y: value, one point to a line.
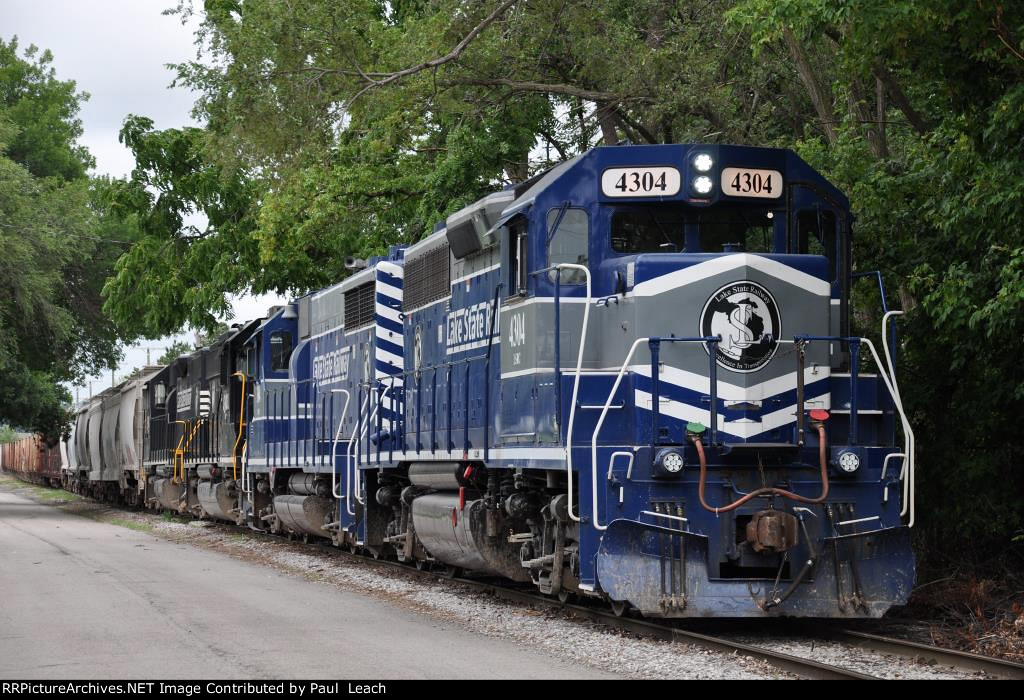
x: 887, y: 375
x: 654, y: 343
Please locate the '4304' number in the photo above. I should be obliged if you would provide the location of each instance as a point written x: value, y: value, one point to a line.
x: 640, y: 182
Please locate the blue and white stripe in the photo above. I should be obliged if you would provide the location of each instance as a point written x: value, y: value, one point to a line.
x: 389, y: 344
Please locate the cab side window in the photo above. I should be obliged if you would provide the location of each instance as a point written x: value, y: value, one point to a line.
x: 518, y: 269
x: 816, y: 235
x: 568, y: 242
x: 280, y: 350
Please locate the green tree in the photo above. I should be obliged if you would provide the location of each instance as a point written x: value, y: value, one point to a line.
x: 176, y: 350
x: 7, y: 434
x: 177, y: 274
x: 58, y: 246
x: 920, y: 117
x: 45, y: 112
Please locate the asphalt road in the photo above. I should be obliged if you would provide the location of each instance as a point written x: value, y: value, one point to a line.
x: 84, y: 599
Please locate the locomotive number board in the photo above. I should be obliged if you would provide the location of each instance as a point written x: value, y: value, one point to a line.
x: 640, y: 182
x: 747, y: 182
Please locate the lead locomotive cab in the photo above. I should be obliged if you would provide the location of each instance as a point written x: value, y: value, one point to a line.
x: 727, y: 269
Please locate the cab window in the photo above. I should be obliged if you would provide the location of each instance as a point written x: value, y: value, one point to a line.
x: 518, y: 270
x: 568, y: 242
x: 652, y: 230
x: 749, y: 229
x: 816, y: 235
x: 280, y: 350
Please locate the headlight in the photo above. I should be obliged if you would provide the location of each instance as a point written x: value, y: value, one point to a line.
x: 669, y: 463
x: 703, y: 162
x: 702, y: 184
x: 849, y: 462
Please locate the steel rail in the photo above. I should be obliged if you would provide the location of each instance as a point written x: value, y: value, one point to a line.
x: 963, y: 660
x: 804, y: 668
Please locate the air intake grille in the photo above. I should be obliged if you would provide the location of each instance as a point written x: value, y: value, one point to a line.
x: 359, y: 306
x: 427, y: 278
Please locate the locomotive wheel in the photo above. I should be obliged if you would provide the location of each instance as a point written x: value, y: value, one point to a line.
x: 619, y: 607
x: 375, y: 552
x: 422, y: 564
x: 451, y: 572
x: 564, y: 596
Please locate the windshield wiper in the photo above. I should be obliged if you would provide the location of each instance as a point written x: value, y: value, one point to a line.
x: 664, y: 234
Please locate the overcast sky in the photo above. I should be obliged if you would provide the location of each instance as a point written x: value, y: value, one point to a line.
x: 117, y: 51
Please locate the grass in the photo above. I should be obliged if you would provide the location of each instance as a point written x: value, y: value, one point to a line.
x: 46, y: 494
x: 132, y: 524
x: 43, y: 493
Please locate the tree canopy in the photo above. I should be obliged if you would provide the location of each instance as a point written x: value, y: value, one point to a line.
x: 58, y: 245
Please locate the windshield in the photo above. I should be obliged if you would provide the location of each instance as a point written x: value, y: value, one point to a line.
x: 674, y: 229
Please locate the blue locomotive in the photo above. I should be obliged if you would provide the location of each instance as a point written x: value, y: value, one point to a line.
x: 631, y: 378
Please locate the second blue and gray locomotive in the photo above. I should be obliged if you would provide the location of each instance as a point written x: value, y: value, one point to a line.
x: 631, y: 378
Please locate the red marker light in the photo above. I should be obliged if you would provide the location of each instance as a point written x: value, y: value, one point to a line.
x: 819, y: 415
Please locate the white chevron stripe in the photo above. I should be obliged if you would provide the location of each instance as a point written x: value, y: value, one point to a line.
x: 715, y: 266
x: 744, y: 428
x: 730, y: 392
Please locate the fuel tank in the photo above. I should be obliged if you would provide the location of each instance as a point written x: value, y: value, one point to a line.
x: 304, y: 514
x: 440, y: 476
x: 219, y: 500
x: 458, y: 536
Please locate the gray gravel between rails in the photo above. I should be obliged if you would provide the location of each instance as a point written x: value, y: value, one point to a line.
x: 551, y: 632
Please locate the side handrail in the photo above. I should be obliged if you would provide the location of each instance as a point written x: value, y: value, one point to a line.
x: 241, y: 427
x: 365, y: 429
x: 179, y: 452
x: 246, y: 476
x: 579, y: 366
x: 334, y: 445
x: 350, y: 461
x: 909, y: 441
x: 907, y: 484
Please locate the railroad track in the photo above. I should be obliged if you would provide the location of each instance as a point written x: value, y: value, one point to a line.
x: 797, y: 665
x: 964, y: 660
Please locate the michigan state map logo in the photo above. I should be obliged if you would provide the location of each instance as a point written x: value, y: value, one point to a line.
x: 746, y: 317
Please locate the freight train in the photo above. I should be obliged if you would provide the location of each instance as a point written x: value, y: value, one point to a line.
x: 31, y: 458
x: 631, y: 378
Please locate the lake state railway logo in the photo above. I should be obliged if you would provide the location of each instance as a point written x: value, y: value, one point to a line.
x: 744, y: 314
